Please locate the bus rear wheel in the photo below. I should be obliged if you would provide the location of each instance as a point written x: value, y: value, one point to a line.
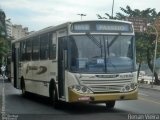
x: 110, y: 104
x: 54, y: 97
x: 23, y: 88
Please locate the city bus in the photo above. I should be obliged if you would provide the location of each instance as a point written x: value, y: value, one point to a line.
x: 83, y: 61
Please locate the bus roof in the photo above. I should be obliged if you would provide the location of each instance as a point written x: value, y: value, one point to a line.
x: 42, y: 31
x: 109, y: 20
x: 61, y: 26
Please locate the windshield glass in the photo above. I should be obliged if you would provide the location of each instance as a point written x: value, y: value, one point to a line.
x: 101, y: 54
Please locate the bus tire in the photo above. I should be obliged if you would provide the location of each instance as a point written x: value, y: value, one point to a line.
x: 110, y: 104
x: 23, y: 88
x: 54, y: 95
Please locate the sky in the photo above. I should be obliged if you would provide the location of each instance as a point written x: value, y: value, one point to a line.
x: 38, y: 14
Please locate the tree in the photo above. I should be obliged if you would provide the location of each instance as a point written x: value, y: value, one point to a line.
x: 4, y: 44
x: 141, y: 41
x: 148, y: 13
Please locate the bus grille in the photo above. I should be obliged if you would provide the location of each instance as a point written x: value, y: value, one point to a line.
x: 105, y: 85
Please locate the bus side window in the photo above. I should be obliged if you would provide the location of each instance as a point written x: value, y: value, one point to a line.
x: 35, y: 48
x: 22, y: 50
x: 52, y: 47
x: 13, y: 52
x: 44, y: 47
x: 28, y: 50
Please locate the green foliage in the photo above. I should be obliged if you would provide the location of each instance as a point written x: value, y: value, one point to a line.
x: 4, y: 43
x: 4, y: 47
x: 148, y: 13
x: 144, y: 41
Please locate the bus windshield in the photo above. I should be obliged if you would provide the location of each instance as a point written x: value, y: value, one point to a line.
x: 101, y: 53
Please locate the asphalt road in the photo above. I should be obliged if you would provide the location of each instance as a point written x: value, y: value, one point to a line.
x: 35, y: 107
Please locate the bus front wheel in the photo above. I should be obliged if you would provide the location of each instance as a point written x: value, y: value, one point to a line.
x: 110, y: 104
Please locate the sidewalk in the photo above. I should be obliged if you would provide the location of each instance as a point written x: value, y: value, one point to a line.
x: 148, y: 86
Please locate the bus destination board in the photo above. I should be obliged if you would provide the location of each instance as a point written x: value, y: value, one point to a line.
x: 101, y: 27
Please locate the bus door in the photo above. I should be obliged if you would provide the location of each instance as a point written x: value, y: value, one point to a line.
x: 61, y: 65
x: 16, y: 65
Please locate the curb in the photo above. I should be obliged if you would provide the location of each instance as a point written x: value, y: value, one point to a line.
x: 144, y: 86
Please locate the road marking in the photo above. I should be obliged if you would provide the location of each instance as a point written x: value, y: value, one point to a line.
x: 144, y: 94
x: 151, y: 101
x: 3, y: 101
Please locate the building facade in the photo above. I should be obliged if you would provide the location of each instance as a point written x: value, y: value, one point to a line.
x: 9, y: 28
x: 140, y: 24
x: 18, y: 31
x: 2, y: 23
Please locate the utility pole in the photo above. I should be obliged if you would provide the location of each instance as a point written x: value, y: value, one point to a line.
x: 81, y: 15
x: 155, y: 53
x: 112, y: 8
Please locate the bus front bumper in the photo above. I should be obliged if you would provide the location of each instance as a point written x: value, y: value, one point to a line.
x: 102, y: 97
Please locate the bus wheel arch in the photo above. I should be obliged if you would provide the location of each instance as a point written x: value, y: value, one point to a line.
x: 53, y: 93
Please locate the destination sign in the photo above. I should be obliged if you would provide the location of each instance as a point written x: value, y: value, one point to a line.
x: 112, y: 27
x: 101, y: 26
x: 81, y: 27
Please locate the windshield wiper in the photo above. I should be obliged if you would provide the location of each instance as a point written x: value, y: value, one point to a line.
x: 111, y: 43
x: 91, y: 37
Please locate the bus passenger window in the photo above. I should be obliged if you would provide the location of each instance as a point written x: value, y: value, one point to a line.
x: 52, y: 48
x: 44, y: 47
x: 28, y: 50
x: 13, y: 52
x: 22, y: 50
x: 36, y: 45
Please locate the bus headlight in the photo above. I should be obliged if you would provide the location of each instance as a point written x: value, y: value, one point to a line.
x: 81, y: 89
x: 129, y: 87
x: 133, y: 85
x: 84, y: 89
x: 77, y: 87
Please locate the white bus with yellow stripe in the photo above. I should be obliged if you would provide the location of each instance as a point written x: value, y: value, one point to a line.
x: 83, y: 61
